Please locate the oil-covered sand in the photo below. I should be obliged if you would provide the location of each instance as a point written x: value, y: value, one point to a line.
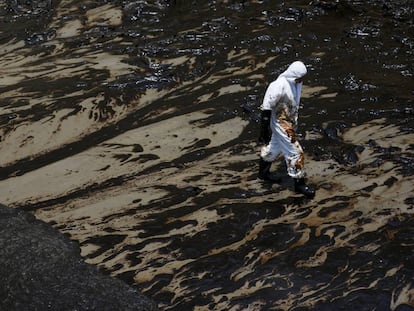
x: 132, y: 128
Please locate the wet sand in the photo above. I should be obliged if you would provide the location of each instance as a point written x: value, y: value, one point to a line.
x: 132, y: 129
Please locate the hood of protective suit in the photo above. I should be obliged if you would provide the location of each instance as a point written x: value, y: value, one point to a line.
x: 295, y: 70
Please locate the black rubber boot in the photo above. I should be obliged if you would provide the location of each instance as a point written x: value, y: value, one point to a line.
x: 264, y: 172
x: 303, y: 188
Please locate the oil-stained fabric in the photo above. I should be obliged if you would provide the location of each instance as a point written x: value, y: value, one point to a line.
x: 282, y: 97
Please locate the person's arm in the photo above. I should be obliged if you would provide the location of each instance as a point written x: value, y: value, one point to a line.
x: 265, y: 131
x: 271, y: 98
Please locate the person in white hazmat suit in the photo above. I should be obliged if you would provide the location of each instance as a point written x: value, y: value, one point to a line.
x: 279, y: 116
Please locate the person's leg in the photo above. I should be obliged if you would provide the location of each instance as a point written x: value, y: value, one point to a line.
x: 264, y: 171
x: 267, y: 155
x: 295, y: 160
x: 303, y: 188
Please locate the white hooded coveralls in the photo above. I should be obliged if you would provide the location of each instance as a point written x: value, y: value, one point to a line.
x: 282, y: 97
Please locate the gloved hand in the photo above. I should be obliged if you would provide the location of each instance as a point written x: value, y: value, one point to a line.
x: 265, y: 131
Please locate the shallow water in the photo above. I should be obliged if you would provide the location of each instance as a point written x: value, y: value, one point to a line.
x: 132, y: 127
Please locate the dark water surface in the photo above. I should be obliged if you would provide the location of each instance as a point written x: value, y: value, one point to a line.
x: 132, y: 127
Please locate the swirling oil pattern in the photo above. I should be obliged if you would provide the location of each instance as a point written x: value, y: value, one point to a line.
x: 131, y: 126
